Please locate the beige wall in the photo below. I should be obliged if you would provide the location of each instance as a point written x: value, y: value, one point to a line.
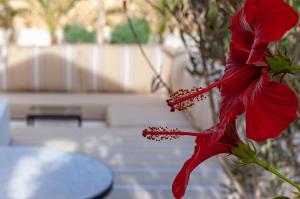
x: 200, y: 113
x: 82, y: 68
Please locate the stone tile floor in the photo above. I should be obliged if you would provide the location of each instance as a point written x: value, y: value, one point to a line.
x: 142, y: 169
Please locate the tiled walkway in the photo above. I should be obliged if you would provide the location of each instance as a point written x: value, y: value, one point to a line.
x: 143, y: 170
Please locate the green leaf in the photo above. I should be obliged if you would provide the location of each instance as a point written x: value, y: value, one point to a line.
x: 281, y: 197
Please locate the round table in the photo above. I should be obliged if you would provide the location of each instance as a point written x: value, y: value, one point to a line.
x: 39, y: 173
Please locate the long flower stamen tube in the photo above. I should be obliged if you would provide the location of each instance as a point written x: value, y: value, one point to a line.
x: 184, y: 98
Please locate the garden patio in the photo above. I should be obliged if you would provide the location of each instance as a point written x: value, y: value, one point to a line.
x: 149, y: 99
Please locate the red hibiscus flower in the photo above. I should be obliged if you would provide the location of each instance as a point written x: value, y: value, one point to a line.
x: 246, y: 86
x: 203, y: 150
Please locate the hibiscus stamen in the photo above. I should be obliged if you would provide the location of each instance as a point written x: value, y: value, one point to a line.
x: 184, y: 98
x: 163, y: 133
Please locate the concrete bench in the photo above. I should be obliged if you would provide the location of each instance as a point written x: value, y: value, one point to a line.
x: 116, y: 110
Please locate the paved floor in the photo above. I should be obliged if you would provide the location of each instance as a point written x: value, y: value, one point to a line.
x: 143, y: 169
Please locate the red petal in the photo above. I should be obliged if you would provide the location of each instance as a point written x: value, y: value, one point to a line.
x: 269, y: 21
x: 203, y: 150
x: 257, y: 53
x: 270, y: 108
x: 236, y: 56
x: 230, y: 136
x: 231, y: 106
x: 241, y: 39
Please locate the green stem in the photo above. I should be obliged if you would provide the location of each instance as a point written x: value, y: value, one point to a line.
x: 275, y: 172
x: 294, y: 67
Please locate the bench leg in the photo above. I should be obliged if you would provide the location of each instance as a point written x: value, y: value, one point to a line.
x: 30, y: 121
x: 79, y: 122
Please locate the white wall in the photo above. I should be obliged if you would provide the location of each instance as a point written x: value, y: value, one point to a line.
x: 35, y: 37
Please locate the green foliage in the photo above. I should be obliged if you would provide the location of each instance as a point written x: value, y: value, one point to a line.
x: 166, y: 8
x: 123, y: 34
x: 295, y: 4
x: 76, y: 33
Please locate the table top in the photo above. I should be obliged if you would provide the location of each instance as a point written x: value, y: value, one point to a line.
x: 38, y: 173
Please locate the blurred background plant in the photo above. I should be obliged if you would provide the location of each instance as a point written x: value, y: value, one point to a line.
x: 122, y: 33
x: 77, y: 33
x: 51, y: 11
x: 291, y: 42
x: 165, y: 21
x: 7, y: 15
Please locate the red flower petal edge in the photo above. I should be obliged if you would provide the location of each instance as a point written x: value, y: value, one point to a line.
x: 270, y: 108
